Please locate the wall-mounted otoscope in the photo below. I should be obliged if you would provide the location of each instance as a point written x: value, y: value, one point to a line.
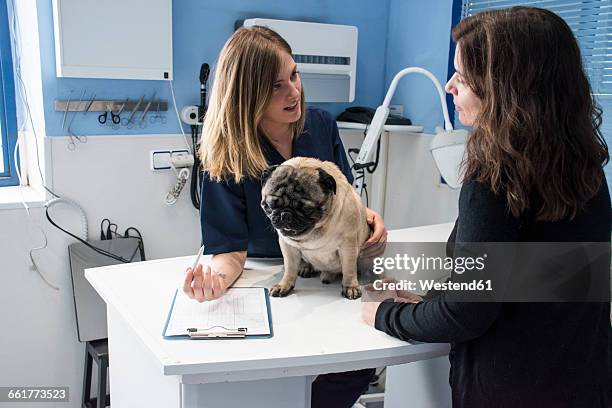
x: 204, y: 72
x: 193, y: 115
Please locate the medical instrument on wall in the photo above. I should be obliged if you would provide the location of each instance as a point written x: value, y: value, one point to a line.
x: 194, y: 188
x: 91, y: 101
x: 204, y: 73
x: 189, y: 115
x: 73, y: 136
x: 195, y: 170
x: 115, y: 117
x: 183, y: 162
x: 103, y: 105
x: 193, y: 115
x: 113, y: 107
x: 158, y: 117
x: 142, y: 122
x: 71, y: 145
x: 66, y: 110
x: 447, y: 146
x: 102, y: 118
x: 130, y: 120
x: 75, y: 114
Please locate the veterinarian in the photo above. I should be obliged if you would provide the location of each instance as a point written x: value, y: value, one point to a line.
x: 257, y: 118
x: 533, y: 173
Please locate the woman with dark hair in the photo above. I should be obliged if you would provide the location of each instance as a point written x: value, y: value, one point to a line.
x: 532, y: 173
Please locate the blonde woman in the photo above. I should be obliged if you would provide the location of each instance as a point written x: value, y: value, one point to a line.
x: 257, y: 118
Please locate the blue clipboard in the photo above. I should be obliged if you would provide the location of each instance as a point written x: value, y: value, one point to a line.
x: 226, y: 337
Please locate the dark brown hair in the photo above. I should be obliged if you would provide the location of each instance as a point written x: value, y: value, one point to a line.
x: 536, y: 137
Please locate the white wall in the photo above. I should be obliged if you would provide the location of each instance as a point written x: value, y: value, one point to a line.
x: 414, y: 194
x: 108, y: 177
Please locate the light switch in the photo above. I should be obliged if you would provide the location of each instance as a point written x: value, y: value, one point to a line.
x: 160, y: 159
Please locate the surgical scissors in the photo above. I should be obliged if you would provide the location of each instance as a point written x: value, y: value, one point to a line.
x: 115, y: 117
x: 71, y: 144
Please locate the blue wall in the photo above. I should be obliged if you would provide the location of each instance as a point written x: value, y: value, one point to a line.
x: 199, y: 31
x: 419, y: 35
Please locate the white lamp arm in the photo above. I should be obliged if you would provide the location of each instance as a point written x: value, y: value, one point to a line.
x: 447, y: 123
x: 382, y: 112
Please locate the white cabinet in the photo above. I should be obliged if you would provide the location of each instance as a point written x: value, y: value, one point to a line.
x: 118, y: 39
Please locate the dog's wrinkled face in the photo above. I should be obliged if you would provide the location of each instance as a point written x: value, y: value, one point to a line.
x: 295, y: 199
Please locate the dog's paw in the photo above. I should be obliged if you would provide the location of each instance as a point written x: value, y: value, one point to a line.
x: 306, y: 270
x: 280, y: 290
x: 351, y: 292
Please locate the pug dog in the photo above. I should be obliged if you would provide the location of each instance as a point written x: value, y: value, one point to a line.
x: 320, y: 220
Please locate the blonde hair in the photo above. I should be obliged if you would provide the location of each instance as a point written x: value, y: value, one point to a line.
x: 246, y: 71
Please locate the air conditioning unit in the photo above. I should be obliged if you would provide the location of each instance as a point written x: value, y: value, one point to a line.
x: 326, y: 55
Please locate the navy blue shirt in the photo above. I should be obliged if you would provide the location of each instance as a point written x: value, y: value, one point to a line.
x: 230, y: 213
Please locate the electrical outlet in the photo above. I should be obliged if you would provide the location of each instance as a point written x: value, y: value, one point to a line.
x: 160, y: 159
x: 181, y: 159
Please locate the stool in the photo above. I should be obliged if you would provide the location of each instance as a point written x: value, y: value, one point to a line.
x: 96, y: 350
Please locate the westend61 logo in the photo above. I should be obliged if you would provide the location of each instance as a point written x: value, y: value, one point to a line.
x: 413, y: 264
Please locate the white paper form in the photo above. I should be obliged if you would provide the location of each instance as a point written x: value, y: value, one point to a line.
x: 239, y: 307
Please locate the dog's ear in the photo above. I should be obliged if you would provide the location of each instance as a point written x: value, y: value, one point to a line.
x: 265, y: 175
x: 328, y: 183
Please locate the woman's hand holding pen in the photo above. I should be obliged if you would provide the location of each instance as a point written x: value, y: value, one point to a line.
x: 204, y: 285
x: 212, y: 283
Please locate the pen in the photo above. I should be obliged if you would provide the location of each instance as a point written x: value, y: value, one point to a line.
x: 200, y: 252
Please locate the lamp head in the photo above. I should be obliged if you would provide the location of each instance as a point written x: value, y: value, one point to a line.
x: 374, y: 130
x: 447, y: 149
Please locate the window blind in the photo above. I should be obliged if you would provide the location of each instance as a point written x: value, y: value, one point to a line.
x: 591, y: 22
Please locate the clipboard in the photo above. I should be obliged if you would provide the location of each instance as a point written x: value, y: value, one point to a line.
x: 216, y: 331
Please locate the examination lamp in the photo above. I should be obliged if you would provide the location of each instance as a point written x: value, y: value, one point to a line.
x: 447, y: 146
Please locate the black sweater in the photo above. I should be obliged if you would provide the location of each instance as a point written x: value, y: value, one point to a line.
x: 516, y: 354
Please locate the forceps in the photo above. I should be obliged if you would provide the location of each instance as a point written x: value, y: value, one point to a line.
x: 130, y: 121
x: 143, y: 124
x: 158, y: 116
x: 71, y: 144
x: 82, y: 139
